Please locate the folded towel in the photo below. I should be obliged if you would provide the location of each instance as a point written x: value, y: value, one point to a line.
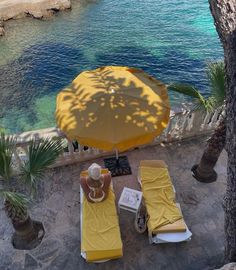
x: 159, y: 197
x: 101, y: 238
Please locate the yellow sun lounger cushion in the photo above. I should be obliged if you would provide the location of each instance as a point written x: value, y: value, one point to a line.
x: 101, y: 238
x: 177, y: 226
x: 164, y: 215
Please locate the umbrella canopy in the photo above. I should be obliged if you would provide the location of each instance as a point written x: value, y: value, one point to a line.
x: 113, y: 108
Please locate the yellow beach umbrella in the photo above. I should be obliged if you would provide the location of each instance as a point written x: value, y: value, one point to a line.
x: 113, y: 108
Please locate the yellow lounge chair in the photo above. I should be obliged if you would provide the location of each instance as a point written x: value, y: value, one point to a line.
x: 165, y: 223
x: 100, y: 232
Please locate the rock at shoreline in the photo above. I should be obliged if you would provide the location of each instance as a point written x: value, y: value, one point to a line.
x: 2, y: 31
x: 230, y: 266
x: 14, y: 9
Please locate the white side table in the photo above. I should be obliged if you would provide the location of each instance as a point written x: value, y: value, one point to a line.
x: 130, y: 200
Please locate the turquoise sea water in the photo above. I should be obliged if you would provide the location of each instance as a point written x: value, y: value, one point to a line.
x: 171, y: 39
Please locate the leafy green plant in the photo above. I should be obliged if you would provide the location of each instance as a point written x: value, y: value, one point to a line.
x: 7, y: 146
x: 41, y: 154
x: 216, y: 77
x: 204, y: 171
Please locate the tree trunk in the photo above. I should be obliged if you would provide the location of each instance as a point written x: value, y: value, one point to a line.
x: 28, y: 233
x: 224, y: 14
x: 204, y: 171
x: 25, y: 230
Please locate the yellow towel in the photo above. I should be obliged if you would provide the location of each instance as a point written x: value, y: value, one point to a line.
x: 100, y: 230
x: 159, y: 197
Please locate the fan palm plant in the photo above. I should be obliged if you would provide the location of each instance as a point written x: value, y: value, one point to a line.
x: 204, y: 171
x: 41, y: 154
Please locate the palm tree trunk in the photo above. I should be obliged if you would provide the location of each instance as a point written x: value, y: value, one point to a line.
x: 28, y: 233
x: 223, y: 12
x: 25, y: 230
x: 204, y: 171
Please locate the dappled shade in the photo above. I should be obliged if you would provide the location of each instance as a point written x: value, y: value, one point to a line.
x: 113, y: 108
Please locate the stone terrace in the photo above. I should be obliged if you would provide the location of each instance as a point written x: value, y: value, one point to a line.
x: 58, y: 207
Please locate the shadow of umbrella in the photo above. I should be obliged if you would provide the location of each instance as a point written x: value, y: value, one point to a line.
x: 113, y: 109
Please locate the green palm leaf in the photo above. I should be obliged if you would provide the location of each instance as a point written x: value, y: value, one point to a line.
x: 17, y: 200
x: 188, y: 90
x: 216, y: 77
x: 42, y: 154
x: 7, y: 146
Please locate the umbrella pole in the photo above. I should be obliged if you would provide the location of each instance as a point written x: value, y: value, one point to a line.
x: 118, y: 165
x: 117, y: 157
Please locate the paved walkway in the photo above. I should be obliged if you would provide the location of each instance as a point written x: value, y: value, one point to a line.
x: 58, y: 207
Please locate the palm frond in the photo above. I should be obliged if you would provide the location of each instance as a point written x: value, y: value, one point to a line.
x: 42, y: 154
x: 7, y: 146
x: 211, y: 104
x: 17, y: 200
x: 190, y: 91
x: 2, y: 129
x: 216, y: 77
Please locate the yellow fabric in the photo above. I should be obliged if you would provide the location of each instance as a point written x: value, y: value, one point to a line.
x: 113, y: 108
x: 177, y: 226
x: 159, y: 197
x: 103, y: 171
x: 101, y: 238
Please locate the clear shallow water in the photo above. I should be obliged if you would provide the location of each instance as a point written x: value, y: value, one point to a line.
x: 170, y: 39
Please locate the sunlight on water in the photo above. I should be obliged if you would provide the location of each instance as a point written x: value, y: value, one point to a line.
x: 171, y: 40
